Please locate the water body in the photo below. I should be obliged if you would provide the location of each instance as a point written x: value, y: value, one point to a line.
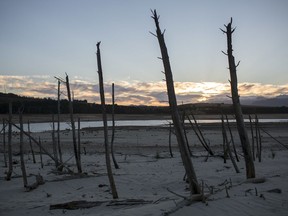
x: 47, y: 126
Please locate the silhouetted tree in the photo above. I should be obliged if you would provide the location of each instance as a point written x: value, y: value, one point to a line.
x: 107, y: 150
x: 193, y: 183
x: 113, y: 129
x: 73, y: 126
x: 250, y: 169
x: 10, y: 165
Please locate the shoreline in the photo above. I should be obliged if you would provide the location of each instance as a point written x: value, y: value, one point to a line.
x: 41, y: 118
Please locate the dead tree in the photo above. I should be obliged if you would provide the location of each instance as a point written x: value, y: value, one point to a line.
x: 30, y: 144
x: 78, y: 164
x: 55, y: 153
x: 4, y: 143
x: 40, y: 152
x: 35, y: 141
x: 191, y: 175
x: 252, y: 135
x: 58, y: 122
x: 170, y: 133
x: 225, y: 140
x: 185, y: 133
x: 258, y: 138
x: 200, y: 135
x: 201, y: 139
x: 79, y: 140
x: 10, y: 165
x: 107, y: 150
x: 228, y: 145
x: 250, y: 169
x: 113, y: 129
x: 23, y: 169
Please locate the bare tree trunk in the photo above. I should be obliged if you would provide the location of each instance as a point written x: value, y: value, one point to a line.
x: 258, y: 138
x: 228, y: 146
x: 252, y: 135
x: 78, y: 164
x: 40, y: 151
x: 113, y: 129
x: 250, y: 169
x: 170, y: 133
x: 35, y: 141
x: 54, y: 143
x: 191, y: 175
x: 232, y: 139
x: 224, y: 136
x: 107, y: 150
x: 79, y: 140
x: 202, y: 136
x: 23, y: 169
x: 58, y: 123
x: 185, y: 133
x: 4, y: 144
x: 30, y: 144
x: 207, y: 148
x: 10, y: 166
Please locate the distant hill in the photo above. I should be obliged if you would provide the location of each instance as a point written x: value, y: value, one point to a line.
x: 278, y: 101
x: 31, y: 105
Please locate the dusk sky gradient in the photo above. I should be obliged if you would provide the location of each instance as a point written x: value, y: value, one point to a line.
x: 41, y: 39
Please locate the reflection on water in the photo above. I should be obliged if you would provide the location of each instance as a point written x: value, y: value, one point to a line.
x: 40, y: 127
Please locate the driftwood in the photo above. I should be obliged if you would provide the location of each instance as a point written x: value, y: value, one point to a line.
x: 39, y: 181
x: 73, y: 205
x: 80, y: 204
x: 187, y: 201
x: 258, y: 180
x: 273, y: 138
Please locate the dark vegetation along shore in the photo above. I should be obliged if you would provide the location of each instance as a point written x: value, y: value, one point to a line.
x: 29, y: 105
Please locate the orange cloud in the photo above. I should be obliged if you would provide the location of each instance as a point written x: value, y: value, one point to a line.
x: 138, y: 92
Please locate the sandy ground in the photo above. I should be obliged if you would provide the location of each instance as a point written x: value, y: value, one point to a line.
x: 148, y: 172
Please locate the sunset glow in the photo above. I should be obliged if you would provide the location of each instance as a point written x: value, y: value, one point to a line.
x: 136, y: 92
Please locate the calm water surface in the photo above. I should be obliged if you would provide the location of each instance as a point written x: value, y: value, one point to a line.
x: 46, y: 126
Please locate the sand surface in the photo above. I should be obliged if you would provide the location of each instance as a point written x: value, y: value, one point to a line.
x: 148, y: 172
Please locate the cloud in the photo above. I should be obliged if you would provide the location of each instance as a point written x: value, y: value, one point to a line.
x: 138, y: 92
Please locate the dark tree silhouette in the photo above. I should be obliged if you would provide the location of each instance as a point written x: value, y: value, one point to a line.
x: 78, y: 163
x: 179, y: 131
x: 107, y: 150
x: 250, y: 169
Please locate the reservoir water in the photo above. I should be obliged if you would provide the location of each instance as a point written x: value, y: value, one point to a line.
x: 47, y: 126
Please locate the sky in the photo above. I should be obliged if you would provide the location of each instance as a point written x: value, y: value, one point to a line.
x: 42, y: 39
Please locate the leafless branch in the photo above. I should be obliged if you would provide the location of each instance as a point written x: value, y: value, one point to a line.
x: 224, y: 53
x: 152, y: 33
x: 238, y: 64
x: 223, y: 30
